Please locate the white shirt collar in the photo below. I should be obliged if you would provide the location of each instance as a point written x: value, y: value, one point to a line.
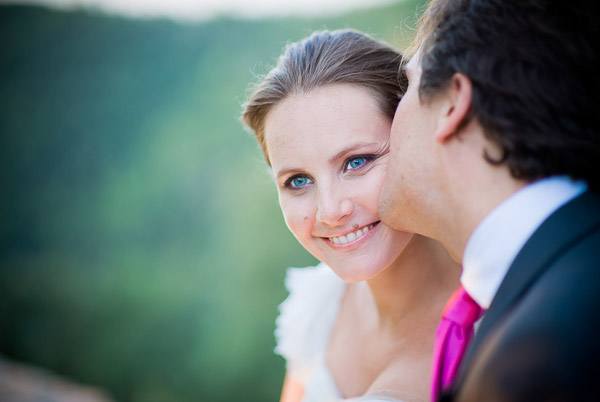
x: 497, y: 240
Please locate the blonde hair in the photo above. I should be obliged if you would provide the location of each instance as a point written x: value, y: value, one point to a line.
x: 324, y: 58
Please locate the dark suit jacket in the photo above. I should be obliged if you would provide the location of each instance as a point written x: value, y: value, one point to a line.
x: 539, y: 340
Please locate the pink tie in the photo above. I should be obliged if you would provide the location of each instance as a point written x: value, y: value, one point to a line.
x: 452, y: 338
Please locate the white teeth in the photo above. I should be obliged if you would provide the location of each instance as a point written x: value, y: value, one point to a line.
x: 351, y: 236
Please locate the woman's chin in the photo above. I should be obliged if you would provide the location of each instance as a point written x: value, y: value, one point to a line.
x: 353, y: 274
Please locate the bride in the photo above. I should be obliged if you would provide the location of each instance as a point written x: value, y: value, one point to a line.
x: 360, y: 325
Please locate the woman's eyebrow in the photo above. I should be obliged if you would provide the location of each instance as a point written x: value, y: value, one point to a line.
x: 350, y: 149
x: 285, y: 171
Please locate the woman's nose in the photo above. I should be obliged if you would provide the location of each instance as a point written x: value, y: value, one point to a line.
x: 333, y: 211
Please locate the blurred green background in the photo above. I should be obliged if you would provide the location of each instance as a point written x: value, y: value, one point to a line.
x: 141, y: 247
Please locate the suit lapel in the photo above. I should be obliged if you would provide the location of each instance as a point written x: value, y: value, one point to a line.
x: 557, y: 233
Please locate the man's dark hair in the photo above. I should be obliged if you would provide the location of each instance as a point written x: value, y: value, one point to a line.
x: 534, y: 69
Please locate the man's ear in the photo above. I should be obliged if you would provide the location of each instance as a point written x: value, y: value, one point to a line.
x: 456, y: 108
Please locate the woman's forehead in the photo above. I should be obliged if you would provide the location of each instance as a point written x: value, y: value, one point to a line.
x: 341, y: 112
x: 316, y: 127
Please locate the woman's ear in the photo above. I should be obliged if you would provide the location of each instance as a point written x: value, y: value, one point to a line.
x: 456, y: 107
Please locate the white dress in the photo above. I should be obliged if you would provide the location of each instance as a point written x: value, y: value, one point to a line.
x: 302, y: 331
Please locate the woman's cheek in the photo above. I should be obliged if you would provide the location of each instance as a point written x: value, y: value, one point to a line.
x: 297, y: 215
x: 369, y: 188
x: 377, y: 183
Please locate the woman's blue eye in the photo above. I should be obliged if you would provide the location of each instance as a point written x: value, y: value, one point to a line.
x: 356, y: 163
x: 299, y: 182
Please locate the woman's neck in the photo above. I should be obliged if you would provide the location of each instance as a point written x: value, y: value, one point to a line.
x: 422, y: 274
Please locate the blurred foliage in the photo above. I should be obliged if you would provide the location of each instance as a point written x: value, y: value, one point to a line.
x: 141, y: 246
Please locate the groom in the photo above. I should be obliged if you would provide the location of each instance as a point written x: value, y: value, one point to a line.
x: 495, y: 152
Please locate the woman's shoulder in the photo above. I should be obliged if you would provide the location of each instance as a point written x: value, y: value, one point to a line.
x: 306, y: 316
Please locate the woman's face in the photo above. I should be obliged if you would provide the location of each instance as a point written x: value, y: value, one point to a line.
x: 328, y: 150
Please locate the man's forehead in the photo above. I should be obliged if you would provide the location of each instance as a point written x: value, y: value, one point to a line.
x: 414, y: 61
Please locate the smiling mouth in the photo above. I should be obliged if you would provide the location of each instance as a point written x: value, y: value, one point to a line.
x: 352, y: 236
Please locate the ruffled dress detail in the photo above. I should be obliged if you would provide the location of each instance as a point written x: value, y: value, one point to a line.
x: 303, y: 329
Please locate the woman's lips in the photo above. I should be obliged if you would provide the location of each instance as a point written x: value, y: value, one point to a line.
x: 353, y: 237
